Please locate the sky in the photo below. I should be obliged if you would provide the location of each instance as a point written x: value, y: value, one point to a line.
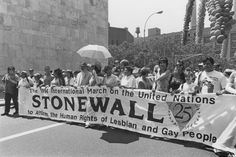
x: 134, y: 13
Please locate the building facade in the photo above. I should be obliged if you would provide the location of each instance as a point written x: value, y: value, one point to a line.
x: 35, y: 33
x: 119, y: 35
x: 154, y: 32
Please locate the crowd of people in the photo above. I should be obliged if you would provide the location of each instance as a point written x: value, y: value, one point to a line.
x: 206, y: 78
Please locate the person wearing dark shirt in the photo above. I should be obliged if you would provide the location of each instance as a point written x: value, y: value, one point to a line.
x: 11, y: 91
x: 177, y: 77
x: 47, y: 78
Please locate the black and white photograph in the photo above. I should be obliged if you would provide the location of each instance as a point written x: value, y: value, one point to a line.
x: 118, y: 78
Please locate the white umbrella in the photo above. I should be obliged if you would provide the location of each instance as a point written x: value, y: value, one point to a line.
x: 94, y: 52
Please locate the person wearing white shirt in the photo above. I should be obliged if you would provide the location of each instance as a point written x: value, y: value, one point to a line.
x: 24, y: 84
x: 231, y: 85
x: 128, y: 80
x: 84, y: 76
x: 210, y: 81
x: 69, y: 79
x: 110, y: 80
x: 188, y: 86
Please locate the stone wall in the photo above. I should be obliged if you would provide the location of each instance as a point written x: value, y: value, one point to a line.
x: 35, y: 33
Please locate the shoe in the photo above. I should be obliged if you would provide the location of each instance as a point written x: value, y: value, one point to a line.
x: 5, y: 114
x: 15, y: 114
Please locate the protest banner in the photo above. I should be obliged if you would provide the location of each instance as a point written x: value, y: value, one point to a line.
x: 208, y: 119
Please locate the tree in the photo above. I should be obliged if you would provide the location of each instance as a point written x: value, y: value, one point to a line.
x: 200, y: 23
x: 187, y: 20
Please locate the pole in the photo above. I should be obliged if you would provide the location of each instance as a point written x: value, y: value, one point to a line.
x: 159, y: 12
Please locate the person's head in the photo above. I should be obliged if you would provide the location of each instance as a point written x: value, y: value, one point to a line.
x: 11, y: 70
x: 189, y: 77
x: 128, y: 70
x: 163, y: 63
x: 187, y: 70
x: 37, y: 76
x: 216, y: 66
x: 23, y: 74
x: 124, y: 63
x: 18, y: 73
x: 76, y: 72
x: 98, y: 68
x: 208, y: 64
x: 57, y: 73
x: 64, y: 73
x: 90, y: 67
x: 69, y: 73
x: 144, y: 72
x: 31, y: 72
x: 47, y: 69
x: 200, y: 66
x: 179, y: 66
x: 117, y: 63
x: 107, y: 70
x: 84, y: 67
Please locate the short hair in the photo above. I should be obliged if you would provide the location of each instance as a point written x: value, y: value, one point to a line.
x: 124, y: 62
x: 144, y: 71
x: 107, y: 68
x: 24, y: 73
x: 163, y: 59
x: 209, y: 59
x: 180, y: 62
x: 11, y: 68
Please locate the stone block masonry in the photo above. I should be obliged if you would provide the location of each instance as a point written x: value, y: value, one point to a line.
x: 36, y: 33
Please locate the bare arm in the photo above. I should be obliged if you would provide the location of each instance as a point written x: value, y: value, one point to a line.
x: 230, y: 85
x: 229, y: 88
x: 164, y: 75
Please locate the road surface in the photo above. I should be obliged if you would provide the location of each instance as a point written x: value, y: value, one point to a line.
x: 34, y: 137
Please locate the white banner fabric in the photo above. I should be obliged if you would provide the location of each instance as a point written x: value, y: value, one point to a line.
x: 208, y: 119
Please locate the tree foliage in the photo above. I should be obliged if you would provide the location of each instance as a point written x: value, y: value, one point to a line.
x: 162, y: 46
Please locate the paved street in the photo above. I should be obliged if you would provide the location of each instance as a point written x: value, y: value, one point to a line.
x: 36, y: 137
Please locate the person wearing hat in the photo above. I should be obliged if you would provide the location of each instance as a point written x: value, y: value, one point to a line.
x: 143, y: 82
x: 128, y: 80
x: 161, y: 76
x: 84, y: 76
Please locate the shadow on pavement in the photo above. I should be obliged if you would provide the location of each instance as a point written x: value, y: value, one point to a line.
x: 119, y: 136
x: 115, y: 135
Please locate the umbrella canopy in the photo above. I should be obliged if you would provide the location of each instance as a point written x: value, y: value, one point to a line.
x: 94, y: 51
